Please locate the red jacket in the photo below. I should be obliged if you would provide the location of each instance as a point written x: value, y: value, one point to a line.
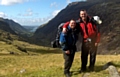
x: 92, y: 31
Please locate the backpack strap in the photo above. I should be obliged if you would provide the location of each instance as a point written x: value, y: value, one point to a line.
x: 59, y: 30
x: 94, y: 23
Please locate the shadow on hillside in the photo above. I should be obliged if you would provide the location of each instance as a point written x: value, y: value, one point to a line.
x: 104, y: 67
x: 45, y: 51
x: 98, y: 68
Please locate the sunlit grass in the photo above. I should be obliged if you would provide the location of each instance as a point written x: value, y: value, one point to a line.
x: 49, y: 65
x: 48, y: 62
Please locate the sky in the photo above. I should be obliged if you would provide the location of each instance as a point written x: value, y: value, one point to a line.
x: 32, y: 12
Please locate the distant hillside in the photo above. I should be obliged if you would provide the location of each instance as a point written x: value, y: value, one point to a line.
x: 31, y: 28
x: 108, y: 10
x: 5, y: 27
x: 16, y: 27
x: 6, y: 33
x: 10, y: 30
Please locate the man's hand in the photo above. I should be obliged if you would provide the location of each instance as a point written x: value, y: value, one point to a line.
x: 64, y: 30
x: 96, y: 44
x: 67, y: 52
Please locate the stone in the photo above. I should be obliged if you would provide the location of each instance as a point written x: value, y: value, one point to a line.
x: 86, y: 75
x: 113, y: 71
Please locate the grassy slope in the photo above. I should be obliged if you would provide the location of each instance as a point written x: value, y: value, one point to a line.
x: 45, y: 62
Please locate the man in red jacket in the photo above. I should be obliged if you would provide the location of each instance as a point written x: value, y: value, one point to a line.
x: 91, y: 37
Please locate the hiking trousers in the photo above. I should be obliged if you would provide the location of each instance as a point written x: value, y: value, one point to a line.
x: 68, y: 61
x: 88, y: 48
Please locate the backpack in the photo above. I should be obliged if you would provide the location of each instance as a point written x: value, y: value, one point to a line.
x: 55, y: 43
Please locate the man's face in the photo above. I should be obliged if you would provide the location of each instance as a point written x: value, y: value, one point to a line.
x: 83, y: 15
x: 72, y: 24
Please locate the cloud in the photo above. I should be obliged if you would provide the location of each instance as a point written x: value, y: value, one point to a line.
x: 25, y: 20
x: 11, y: 2
x: 37, y: 20
x: 54, y: 13
x: 29, y: 17
x: 28, y: 12
x: 54, y: 4
x: 15, y: 20
x: 2, y: 14
x: 68, y: 1
x: 32, y: 21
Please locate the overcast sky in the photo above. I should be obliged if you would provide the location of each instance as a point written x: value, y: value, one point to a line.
x: 32, y: 12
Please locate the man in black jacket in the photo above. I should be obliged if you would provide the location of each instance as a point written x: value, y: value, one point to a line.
x: 68, y: 44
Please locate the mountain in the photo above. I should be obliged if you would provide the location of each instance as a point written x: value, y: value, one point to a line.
x: 5, y: 26
x: 16, y: 27
x: 6, y: 33
x: 109, y: 12
x: 31, y: 28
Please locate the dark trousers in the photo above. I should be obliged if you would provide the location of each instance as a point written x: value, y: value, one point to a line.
x: 88, y: 48
x: 68, y: 61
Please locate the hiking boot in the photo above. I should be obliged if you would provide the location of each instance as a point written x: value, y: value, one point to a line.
x: 82, y: 70
x: 67, y: 75
x: 91, y: 68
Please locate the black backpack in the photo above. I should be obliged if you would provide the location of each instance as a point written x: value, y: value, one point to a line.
x: 55, y: 43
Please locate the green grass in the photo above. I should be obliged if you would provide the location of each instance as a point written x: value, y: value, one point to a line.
x: 49, y: 65
x: 46, y: 62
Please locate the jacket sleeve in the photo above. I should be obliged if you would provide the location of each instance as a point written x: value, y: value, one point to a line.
x: 66, y: 25
x: 63, y: 41
x: 98, y: 38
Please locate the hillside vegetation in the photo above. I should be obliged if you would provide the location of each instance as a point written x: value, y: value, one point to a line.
x: 16, y: 27
x: 45, y: 62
